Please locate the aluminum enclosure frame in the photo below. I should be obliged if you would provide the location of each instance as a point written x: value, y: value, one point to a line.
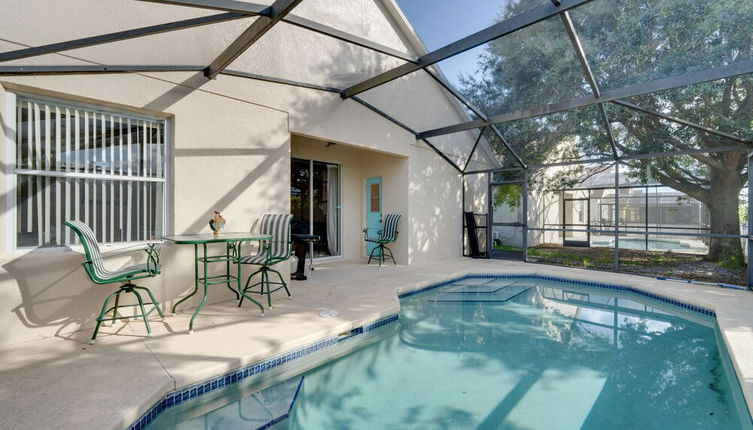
x: 267, y: 16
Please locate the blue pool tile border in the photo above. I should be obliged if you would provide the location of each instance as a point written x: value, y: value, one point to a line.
x: 177, y: 397
x: 591, y: 284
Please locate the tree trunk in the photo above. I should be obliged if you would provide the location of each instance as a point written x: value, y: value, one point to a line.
x: 723, y: 215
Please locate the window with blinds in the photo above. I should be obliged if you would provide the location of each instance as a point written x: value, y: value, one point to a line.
x: 106, y: 169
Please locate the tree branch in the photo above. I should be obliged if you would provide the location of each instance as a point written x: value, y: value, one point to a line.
x: 697, y: 192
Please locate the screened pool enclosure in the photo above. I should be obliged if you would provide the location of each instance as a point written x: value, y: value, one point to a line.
x: 655, y: 98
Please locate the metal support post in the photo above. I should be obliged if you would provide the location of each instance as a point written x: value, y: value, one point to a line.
x: 489, y: 210
x: 645, y: 213
x: 617, y: 216
x: 525, y: 216
x: 462, y: 216
x: 750, y: 221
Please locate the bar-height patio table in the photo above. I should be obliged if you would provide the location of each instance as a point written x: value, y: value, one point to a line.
x: 233, y: 242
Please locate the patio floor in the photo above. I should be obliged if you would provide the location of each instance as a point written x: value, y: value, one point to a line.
x: 63, y: 382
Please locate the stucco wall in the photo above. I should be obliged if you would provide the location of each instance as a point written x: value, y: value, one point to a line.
x: 241, y: 170
x: 435, y: 199
x: 229, y: 142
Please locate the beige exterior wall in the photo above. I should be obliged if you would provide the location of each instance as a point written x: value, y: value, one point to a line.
x: 241, y: 170
x: 230, y: 142
x: 357, y: 165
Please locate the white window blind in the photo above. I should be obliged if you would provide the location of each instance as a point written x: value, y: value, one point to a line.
x: 79, y: 163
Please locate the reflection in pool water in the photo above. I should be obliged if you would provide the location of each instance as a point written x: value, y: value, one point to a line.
x: 504, y: 354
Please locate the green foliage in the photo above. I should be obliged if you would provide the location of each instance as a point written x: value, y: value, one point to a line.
x: 627, y: 42
x: 509, y: 195
x: 295, y: 203
x: 535, y: 66
x: 507, y: 248
x: 731, y: 261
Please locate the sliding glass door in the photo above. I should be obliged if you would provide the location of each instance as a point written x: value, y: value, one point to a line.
x: 315, y: 203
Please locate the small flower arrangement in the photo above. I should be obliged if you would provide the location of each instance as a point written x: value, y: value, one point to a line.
x: 217, y: 224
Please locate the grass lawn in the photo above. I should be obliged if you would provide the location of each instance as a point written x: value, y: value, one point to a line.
x: 507, y: 248
x: 651, y: 263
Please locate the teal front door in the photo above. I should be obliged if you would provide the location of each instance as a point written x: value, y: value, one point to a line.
x: 373, y: 209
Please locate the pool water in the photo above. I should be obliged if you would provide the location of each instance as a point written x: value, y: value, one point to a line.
x: 504, y: 354
x: 653, y: 244
x: 656, y: 244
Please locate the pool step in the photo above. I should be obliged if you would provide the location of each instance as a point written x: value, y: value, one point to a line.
x: 491, y: 294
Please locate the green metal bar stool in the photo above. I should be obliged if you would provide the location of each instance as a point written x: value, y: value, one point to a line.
x: 98, y: 274
x: 387, y: 234
x: 270, y: 252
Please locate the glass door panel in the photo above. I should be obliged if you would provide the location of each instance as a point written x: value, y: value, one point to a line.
x: 315, y: 203
x: 507, y: 220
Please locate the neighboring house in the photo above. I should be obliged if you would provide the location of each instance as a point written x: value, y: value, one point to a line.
x: 140, y: 155
x: 643, y: 207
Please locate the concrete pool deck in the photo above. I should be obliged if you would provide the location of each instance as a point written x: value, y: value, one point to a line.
x: 63, y: 382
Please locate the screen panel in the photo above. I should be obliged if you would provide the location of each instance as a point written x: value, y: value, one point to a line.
x: 632, y: 41
x: 532, y: 66
x: 722, y: 105
x: 574, y: 135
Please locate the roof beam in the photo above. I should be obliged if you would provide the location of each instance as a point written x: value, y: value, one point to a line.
x: 252, y: 9
x: 716, y: 149
x: 83, y: 70
x: 118, y: 36
x: 475, y: 144
x: 579, y: 53
x: 408, y: 129
x: 495, y: 31
x: 476, y: 111
x: 281, y: 81
x: 680, y: 121
x: 441, y: 154
x: 588, y: 74
x: 95, y: 69
x: 236, y: 6
x: 261, y: 26
x: 347, y: 37
x: 625, y: 158
x: 385, y: 115
x: 691, y: 78
x: 450, y: 89
x: 608, y: 129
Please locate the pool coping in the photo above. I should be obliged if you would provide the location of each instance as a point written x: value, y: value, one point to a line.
x: 700, y: 307
x: 177, y: 397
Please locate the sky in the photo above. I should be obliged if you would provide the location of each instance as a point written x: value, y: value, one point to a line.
x: 439, y: 22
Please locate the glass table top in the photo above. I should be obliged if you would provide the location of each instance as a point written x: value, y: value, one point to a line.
x: 210, y: 238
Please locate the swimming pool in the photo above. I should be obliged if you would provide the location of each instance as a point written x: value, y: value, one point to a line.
x: 677, y: 245
x: 502, y: 354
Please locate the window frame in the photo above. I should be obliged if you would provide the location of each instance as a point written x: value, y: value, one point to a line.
x: 12, y: 170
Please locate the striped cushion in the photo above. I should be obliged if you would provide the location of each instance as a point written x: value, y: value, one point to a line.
x: 94, y: 255
x: 91, y: 247
x: 388, y: 233
x: 136, y: 268
x: 253, y: 259
x: 389, y: 227
x: 277, y: 226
